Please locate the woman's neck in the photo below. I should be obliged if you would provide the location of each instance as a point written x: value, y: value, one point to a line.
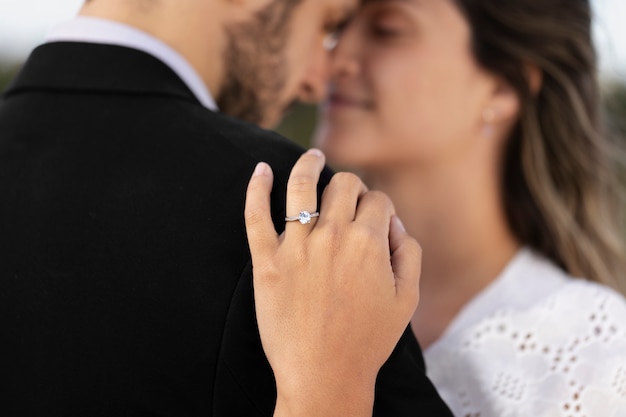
x: 458, y: 218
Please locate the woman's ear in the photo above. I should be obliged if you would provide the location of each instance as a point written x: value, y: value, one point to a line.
x: 535, y: 78
x: 504, y: 103
x: 502, y: 106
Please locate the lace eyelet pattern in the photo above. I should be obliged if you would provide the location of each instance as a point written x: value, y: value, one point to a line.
x: 564, y: 356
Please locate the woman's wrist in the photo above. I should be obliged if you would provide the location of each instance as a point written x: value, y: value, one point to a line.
x: 326, y: 398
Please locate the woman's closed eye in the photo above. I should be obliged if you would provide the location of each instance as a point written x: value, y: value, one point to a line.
x: 389, y: 25
x: 384, y: 31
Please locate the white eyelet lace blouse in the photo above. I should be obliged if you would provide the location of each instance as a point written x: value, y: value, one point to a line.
x: 535, y: 343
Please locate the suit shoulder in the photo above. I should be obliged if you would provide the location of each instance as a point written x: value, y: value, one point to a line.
x: 259, y: 144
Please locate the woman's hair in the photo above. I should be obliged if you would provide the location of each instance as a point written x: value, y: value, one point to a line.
x: 561, y: 184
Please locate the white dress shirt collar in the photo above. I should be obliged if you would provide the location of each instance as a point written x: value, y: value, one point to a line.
x: 95, y: 30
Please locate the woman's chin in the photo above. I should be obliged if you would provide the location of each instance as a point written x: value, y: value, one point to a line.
x: 344, y: 148
x: 335, y: 152
x: 345, y: 158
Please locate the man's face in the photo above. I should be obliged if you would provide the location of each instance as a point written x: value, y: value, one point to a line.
x: 277, y: 57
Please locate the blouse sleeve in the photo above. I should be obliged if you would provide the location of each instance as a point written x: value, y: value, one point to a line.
x: 565, y: 356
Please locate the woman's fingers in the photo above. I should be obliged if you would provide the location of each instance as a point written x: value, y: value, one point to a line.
x: 302, y: 191
x: 374, y: 210
x: 340, y: 198
x: 406, y: 261
x: 259, y: 226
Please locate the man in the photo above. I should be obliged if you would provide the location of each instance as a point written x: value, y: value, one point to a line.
x: 125, y: 280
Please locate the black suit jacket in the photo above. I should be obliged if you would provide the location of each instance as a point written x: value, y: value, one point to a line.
x: 125, y: 277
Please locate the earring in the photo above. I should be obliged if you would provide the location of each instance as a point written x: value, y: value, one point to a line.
x: 489, y: 117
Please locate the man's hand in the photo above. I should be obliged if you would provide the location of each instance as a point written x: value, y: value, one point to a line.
x: 333, y: 297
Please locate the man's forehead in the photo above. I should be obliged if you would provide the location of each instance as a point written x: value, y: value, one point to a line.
x: 342, y: 8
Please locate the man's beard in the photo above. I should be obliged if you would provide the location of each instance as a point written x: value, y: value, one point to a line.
x: 256, y: 70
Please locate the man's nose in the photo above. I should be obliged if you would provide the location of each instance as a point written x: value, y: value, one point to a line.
x: 313, y: 88
x: 347, y: 54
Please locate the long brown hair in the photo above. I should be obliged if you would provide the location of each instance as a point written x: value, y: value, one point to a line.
x: 560, y: 182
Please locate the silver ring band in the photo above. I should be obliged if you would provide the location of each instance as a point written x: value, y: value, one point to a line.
x: 304, y: 217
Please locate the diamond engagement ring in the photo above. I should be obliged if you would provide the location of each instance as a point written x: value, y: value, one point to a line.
x: 304, y: 217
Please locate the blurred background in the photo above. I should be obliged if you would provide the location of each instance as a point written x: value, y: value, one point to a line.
x: 24, y: 24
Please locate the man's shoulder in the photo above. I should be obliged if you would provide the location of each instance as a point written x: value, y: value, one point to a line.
x: 235, y: 145
x: 258, y: 144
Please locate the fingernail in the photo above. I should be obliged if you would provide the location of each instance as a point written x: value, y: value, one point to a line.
x: 399, y: 223
x: 261, y: 169
x: 315, y: 152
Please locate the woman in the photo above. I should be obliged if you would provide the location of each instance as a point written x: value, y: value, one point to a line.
x: 480, y: 120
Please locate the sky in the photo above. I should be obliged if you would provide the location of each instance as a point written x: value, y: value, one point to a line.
x: 24, y: 24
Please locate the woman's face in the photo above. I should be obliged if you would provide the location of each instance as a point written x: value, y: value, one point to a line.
x: 406, y: 88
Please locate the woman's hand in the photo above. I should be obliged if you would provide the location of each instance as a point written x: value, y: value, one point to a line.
x: 334, y: 296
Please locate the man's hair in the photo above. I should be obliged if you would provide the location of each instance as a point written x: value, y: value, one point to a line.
x: 255, y: 60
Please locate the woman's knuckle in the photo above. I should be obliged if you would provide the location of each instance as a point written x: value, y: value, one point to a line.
x: 254, y: 216
x: 347, y: 180
x: 266, y: 271
x: 378, y: 200
x: 366, y: 235
x: 301, y: 183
